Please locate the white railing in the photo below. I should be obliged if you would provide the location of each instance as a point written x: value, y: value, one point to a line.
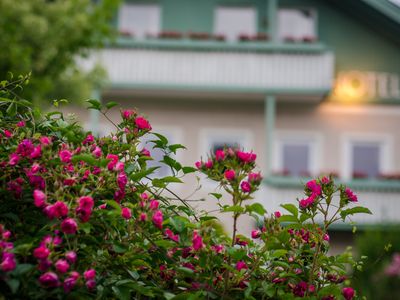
x: 216, y: 68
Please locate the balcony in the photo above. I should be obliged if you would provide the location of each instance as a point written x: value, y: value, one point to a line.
x: 250, y: 67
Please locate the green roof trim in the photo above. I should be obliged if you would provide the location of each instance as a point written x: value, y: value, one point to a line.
x: 357, y: 184
x: 390, y: 10
x: 217, y: 89
x: 192, y: 45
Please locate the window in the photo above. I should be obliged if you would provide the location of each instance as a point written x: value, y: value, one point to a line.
x: 234, y: 21
x: 296, y: 24
x: 297, y: 153
x: 296, y: 159
x: 366, y: 160
x: 366, y: 155
x: 139, y: 19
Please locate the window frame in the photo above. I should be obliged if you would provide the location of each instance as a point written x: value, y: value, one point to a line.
x: 314, y: 13
x: 244, y: 6
x: 142, y: 4
x: 385, y: 142
x: 313, y: 139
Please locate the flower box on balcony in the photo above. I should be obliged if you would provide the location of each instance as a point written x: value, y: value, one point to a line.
x: 170, y: 35
x: 202, y: 36
x: 126, y: 33
x: 259, y: 37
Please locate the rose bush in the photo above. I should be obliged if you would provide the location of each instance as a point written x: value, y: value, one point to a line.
x: 83, y: 217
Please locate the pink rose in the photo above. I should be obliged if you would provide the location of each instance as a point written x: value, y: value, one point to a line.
x: 60, y: 209
x: 241, y: 265
x: 39, y: 198
x: 158, y: 219
x: 41, y: 252
x: 245, y: 186
x: 143, y: 217
x: 89, y: 139
x: 69, y: 284
x: 350, y: 195
x: 198, y: 164
x: 209, y: 164
x: 314, y: 187
x: 97, y: 152
x: 246, y: 157
x: 348, y: 293
x: 145, y: 152
x: 154, y: 204
x: 122, y: 180
x: 14, y: 159
x: 142, y: 123
x: 230, y: 175
x: 21, y: 124
x: 127, y: 114
x: 8, y: 262
x: 61, y: 265
x: 255, y: 177
x: 86, y: 202
x: 37, y: 152
x: 255, y: 234
x: 44, y: 140
x: 69, y: 226
x: 126, y: 213
x: 197, y: 241
x: 91, y: 284
x: 220, y: 154
x: 65, y: 156
x: 71, y: 257
x: 89, y: 274
x: 49, y: 279
x: 277, y: 214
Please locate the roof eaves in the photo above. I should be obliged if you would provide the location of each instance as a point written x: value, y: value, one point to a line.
x: 385, y: 7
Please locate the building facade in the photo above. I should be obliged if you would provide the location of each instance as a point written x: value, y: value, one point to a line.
x: 312, y: 87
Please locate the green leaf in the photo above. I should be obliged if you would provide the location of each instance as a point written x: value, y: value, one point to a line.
x: 87, y: 158
x: 187, y: 170
x: 354, y: 210
x: 279, y: 253
x: 257, y: 208
x: 95, y: 104
x: 304, y: 217
x: 22, y: 269
x: 139, y: 175
x: 163, y: 140
x: 111, y: 104
x: 135, y: 275
x: 208, y: 218
x: 216, y: 195
x: 185, y: 270
x: 291, y: 208
x: 178, y: 224
x: 162, y: 182
x: 12, y: 109
x: 122, y: 293
x: 175, y: 147
x: 287, y: 218
x: 119, y: 248
x: 13, y: 284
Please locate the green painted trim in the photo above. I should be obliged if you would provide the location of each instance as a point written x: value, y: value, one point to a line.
x: 357, y: 184
x: 218, y: 89
x: 192, y: 45
x: 388, y: 9
x: 272, y: 14
x: 270, y: 114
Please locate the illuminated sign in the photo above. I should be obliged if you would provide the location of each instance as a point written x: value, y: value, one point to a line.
x: 357, y: 85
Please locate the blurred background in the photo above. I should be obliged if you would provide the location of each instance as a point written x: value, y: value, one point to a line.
x: 311, y: 86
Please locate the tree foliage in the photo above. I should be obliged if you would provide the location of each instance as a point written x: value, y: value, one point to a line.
x: 45, y: 37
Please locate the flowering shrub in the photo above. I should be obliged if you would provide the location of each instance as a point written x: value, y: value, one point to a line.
x: 87, y: 221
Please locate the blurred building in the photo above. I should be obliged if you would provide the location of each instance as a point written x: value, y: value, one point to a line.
x: 313, y: 87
